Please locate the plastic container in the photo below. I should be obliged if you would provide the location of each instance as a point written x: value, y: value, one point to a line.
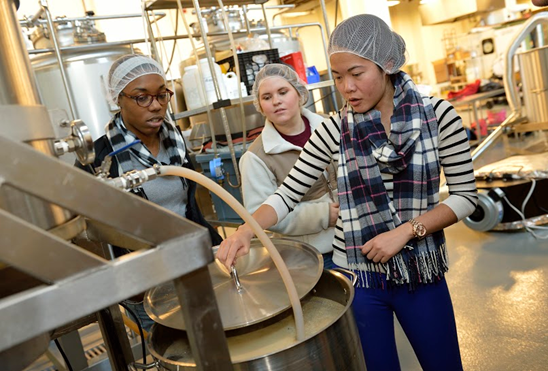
x: 312, y: 75
x: 192, y: 88
x: 295, y: 60
x: 210, y: 93
x: 223, y: 211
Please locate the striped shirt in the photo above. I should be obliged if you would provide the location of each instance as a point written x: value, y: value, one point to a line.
x: 323, y: 147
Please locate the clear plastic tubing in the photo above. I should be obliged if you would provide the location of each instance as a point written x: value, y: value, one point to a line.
x: 259, y: 232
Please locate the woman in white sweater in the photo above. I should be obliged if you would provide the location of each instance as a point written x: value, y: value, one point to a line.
x: 391, y: 144
x: 279, y: 95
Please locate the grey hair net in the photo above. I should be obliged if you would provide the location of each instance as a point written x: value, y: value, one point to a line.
x: 283, y: 71
x: 369, y: 37
x: 128, y: 68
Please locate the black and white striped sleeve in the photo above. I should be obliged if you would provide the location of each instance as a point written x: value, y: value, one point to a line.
x: 316, y: 155
x: 455, y: 159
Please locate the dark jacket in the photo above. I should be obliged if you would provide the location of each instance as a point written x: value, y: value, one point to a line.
x: 103, y: 148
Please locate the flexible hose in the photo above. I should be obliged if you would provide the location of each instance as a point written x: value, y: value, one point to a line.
x: 259, y: 232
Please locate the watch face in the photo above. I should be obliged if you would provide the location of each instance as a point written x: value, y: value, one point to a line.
x: 421, y: 230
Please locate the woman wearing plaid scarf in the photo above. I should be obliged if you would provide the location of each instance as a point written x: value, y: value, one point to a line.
x: 137, y: 84
x: 391, y: 144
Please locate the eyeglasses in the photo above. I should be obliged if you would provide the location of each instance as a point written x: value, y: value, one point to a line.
x: 145, y: 100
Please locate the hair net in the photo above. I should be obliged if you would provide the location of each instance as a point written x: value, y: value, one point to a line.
x: 278, y: 70
x: 369, y: 37
x: 128, y: 68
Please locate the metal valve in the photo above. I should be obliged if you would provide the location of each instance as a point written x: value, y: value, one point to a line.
x: 79, y: 141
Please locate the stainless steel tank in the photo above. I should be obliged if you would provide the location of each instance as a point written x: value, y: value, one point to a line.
x: 534, y: 75
x: 86, y: 71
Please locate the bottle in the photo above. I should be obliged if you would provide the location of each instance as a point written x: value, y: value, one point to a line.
x: 210, y: 93
x: 192, y: 88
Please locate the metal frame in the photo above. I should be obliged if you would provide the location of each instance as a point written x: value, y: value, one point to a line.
x: 84, y: 283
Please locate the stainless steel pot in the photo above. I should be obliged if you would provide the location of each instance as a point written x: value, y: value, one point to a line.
x: 331, y: 337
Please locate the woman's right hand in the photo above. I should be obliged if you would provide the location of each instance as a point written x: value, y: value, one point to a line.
x: 235, y: 245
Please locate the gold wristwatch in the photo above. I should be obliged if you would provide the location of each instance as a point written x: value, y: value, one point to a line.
x: 419, y: 230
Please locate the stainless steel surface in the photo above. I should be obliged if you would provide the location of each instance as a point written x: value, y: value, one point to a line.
x: 34, y: 20
x: 22, y: 242
x: 509, y: 78
x: 19, y: 356
x: 172, y: 4
x: 434, y: 12
x: 331, y: 342
x: 82, y: 142
x: 263, y: 293
x: 64, y: 79
x: 26, y: 123
x: 207, y: 330
x: 86, y: 68
x: 18, y: 85
x: 534, y: 76
x: 80, y: 192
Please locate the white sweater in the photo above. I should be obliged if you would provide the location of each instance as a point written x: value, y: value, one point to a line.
x: 309, y: 221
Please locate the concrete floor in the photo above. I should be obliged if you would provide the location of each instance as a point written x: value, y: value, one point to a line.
x: 499, y: 286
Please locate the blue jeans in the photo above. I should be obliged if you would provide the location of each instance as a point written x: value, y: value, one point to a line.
x: 328, y: 261
x: 426, y: 316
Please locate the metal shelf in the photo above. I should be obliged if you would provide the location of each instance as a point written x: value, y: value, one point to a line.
x: 245, y: 100
x: 172, y: 4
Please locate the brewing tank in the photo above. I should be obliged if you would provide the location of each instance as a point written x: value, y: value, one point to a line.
x: 86, y: 71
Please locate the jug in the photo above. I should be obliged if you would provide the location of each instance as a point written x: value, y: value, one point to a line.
x: 192, y: 88
x: 208, y: 81
x: 233, y: 85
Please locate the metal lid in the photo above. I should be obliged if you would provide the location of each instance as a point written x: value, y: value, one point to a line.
x: 262, y: 294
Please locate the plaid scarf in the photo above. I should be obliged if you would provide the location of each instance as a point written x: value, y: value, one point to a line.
x: 119, y: 136
x: 410, y: 155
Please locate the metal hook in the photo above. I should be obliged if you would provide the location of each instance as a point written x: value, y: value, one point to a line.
x: 228, y: 181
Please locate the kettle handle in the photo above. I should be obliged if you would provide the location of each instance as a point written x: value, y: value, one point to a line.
x: 350, y: 273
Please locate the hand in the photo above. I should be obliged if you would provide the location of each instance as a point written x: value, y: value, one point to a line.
x: 384, y: 246
x: 333, y: 214
x: 234, y: 246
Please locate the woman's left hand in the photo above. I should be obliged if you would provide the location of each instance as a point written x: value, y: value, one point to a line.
x: 385, y: 245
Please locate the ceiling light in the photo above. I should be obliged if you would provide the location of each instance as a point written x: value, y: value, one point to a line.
x: 296, y: 14
x: 392, y: 2
x: 426, y: 1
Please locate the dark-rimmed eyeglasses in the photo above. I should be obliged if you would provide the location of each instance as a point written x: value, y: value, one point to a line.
x: 145, y: 100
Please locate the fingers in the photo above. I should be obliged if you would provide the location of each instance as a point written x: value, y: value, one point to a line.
x: 232, y: 248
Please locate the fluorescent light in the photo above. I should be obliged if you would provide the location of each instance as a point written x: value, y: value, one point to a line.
x: 295, y: 14
x: 426, y: 1
x: 392, y: 2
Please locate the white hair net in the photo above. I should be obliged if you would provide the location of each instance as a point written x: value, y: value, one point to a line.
x: 283, y: 71
x: 128, y: 68
x: 369, y: 37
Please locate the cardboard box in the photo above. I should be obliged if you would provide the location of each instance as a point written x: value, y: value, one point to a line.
x: 441, y: 71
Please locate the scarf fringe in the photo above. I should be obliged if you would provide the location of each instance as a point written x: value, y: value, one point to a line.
x: 404, y: 268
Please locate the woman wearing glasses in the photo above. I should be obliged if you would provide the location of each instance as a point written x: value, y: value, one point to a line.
x: 137, y: 84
